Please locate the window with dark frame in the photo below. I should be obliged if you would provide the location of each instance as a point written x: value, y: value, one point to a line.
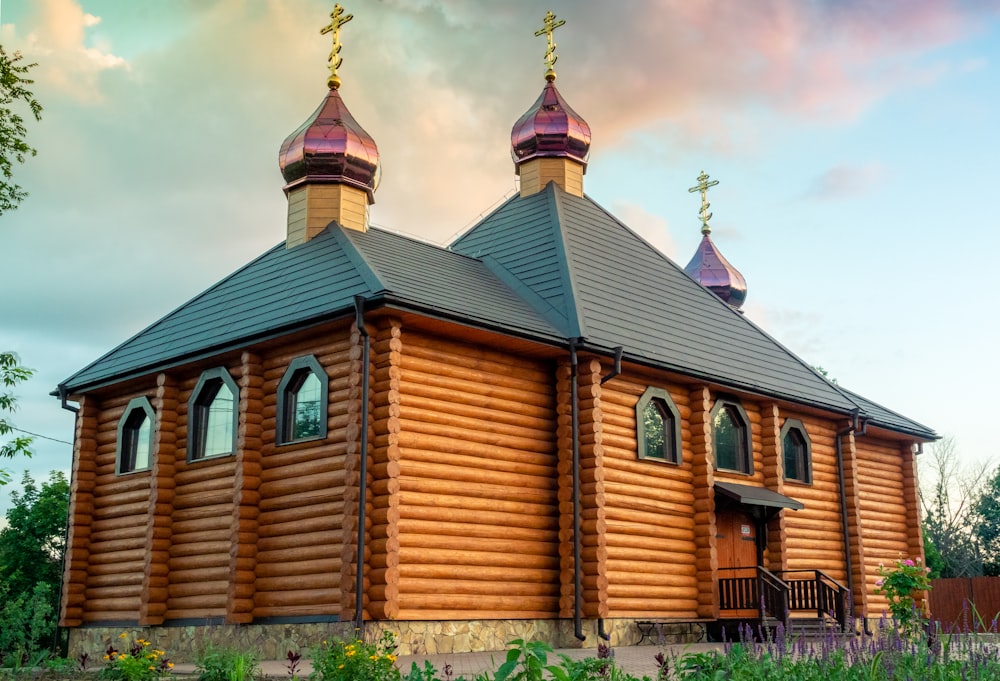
x: 796, y: 452
x: 212, y: 412
x: 658, y: 426
x: 730, y: 436
x: 135, y: 437
x: 302, y: 401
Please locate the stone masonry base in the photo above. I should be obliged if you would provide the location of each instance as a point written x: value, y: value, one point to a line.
x: 273, y: 641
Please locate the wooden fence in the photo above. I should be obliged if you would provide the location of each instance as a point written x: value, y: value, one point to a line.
x: 955, y: 603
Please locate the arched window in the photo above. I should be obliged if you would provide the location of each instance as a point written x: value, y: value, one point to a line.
x: 658, y: 426
x: 135, y: 436
x: 796, y: 448
x: 212, y: 416
x: 302, y: 401
x: 731, y: 437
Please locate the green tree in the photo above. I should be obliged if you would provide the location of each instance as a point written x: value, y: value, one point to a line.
x: 13, y: 147
x: 949, y: 491
x: 31, y: 556
x: 11, y: 373
x: 986, y: 515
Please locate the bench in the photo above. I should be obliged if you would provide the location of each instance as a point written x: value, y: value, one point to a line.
x: 659, y: 627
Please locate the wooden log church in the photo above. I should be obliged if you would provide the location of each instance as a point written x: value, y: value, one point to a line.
x: 546, y: 429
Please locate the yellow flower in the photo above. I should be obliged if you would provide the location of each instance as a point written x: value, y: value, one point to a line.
x: 350, y: 653
x: 123, y: 635
x: 340, y: 666
x: 107, y: 657
x: 170, y: 665
x: 152, y: 668
x: 392, y: 658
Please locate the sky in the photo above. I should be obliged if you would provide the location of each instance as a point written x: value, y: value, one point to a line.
x: 855, y: 144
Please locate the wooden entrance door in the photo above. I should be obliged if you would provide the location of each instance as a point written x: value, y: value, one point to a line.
x: 736, y: 544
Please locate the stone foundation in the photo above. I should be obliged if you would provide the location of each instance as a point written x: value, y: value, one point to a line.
x: 273, y: 641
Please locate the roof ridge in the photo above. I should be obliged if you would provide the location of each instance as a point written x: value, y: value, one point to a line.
x: 570, y: 289
x: 362, y: 265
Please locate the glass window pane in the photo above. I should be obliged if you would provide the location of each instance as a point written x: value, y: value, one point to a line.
x: 141, y: 436
x: 306, y: 403
x: 792, y: 456
x: 796, y: 459
x: 728, y: 441
x: 654, y: 430
x: 217, y: 423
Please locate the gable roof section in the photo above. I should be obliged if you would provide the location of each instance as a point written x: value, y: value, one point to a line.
x: 619, y: 290
x: 285, y: 288
x: 425, y: 277
x: 550, y: 266
x: 522, y: 241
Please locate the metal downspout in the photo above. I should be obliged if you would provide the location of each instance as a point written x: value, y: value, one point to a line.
x: 57, y: 635
x: 359, y: 585
x: 843, y: 511
x: 577, y: 543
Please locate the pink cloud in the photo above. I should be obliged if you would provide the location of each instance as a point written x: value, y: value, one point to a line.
x: 845, y: 181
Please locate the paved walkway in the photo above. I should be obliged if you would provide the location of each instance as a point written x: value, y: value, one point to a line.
x: 636, y: 660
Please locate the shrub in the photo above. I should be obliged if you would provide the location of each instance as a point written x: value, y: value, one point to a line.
x: 226, y: 664
x: 899, y: 584
x: 356, y: 660
x: 137, y: 661
x: 27, y: 624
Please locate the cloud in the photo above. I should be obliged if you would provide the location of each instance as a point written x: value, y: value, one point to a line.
x: 653, y: 228
x: 802, y: 332
x: 57, y: 40
x: 846, y: 181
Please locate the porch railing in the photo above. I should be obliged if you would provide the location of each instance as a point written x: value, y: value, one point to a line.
x: 756, y: 589
x: 815, y: 591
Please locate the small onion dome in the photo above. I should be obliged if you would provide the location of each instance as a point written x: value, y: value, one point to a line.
x: 709, y: 268
x: 330, y: 147
x: 550, y: 128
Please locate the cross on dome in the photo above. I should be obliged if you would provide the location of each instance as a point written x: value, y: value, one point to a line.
x: 337, y: 19
x: 702, y: 186
x: 548, y: 28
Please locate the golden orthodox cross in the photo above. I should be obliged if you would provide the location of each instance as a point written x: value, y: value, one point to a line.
x: 337, y: 19
x: 702, y: 186
x: 551, y: 57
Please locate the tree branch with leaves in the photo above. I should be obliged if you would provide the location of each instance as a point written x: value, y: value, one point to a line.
x: 11, y: 373
x: 14, y: 90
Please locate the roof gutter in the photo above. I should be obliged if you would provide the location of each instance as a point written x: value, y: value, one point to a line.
x: 359, y: 583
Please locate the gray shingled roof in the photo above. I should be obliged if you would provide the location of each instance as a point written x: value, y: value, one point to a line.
x: 550, y: 267
x: 601, y: 281
x: 288, y: 288
x: 888, y: 418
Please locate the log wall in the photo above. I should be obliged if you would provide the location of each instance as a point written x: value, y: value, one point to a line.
x: 116, y: 547
x: 478, y: 527
x: 201, y: 524
x: 383, y: 500
x: 885, y: 535
x: 159, y: 524
x: 650, y: 510
x: 81, y: 513
x: 703, y: 484
x: 775, y: 553
x: 299, y: 498
x: 814, y: 534
x: 852, y: 491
